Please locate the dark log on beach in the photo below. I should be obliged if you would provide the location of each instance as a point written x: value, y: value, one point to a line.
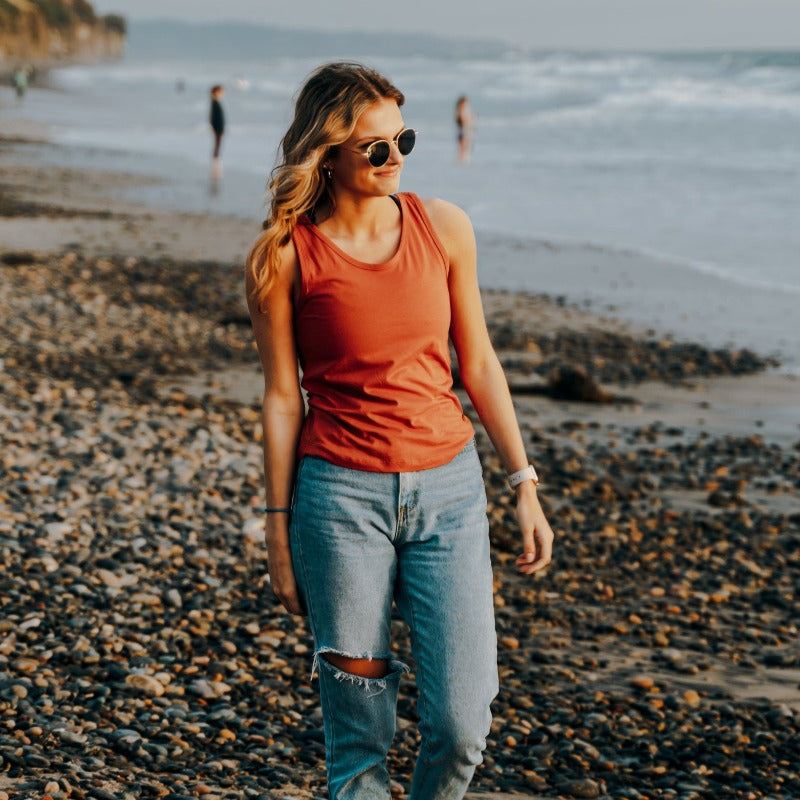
x: 567, y: 382
x: 573, y: 382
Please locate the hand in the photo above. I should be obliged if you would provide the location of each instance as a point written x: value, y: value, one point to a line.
x: 279, y: 559
x: 537, y: 535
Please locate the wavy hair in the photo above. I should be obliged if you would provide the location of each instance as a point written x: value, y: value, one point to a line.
x: 325, y: 114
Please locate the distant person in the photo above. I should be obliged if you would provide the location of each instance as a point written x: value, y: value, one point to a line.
x: 217, y: 120
x: 464, y: 123
x: 19, y: 80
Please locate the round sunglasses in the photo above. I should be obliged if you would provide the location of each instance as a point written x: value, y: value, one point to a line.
x: 378, y: 152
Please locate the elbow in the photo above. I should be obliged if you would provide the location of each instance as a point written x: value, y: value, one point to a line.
x: 474, y: 373
x: 283, y: 402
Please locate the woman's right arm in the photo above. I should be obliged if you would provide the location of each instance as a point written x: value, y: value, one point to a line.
x: 282, y: 417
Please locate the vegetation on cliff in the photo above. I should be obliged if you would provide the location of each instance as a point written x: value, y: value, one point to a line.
x: 53, y: 31
x: 58, y: 14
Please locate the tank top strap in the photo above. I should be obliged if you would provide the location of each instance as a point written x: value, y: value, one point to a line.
x: 414, y: 207
x: 304, y: 242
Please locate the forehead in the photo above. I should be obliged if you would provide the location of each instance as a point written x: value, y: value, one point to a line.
x: 381, y: 120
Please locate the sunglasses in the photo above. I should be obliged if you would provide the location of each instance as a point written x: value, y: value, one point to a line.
x: 378, y: 152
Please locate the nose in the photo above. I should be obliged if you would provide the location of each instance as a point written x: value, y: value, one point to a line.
x: 395, y: 156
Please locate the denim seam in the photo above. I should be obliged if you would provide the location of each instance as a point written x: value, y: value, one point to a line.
x: 330, y: 746
x: 309, y: 595
x: 422, y: 700
x: 400, y: 509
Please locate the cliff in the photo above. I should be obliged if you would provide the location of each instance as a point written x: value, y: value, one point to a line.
x: 51, y: 33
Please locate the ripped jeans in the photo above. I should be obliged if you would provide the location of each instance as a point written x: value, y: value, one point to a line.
x: 361, y: 540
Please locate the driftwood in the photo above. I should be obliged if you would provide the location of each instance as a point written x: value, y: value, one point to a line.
x: 567, y: 382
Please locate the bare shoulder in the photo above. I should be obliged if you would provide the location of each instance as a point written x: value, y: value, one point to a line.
x: 286, y: 266
x: 451, y: 223
x: 448, y: 219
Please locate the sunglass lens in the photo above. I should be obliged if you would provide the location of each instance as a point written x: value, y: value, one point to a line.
x: 406, y: 141
x: 378, y: 153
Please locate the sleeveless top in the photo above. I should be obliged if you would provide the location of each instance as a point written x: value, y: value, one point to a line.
x: 373, y: 346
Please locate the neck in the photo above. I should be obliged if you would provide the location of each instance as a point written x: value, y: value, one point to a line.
x: 353, y: 214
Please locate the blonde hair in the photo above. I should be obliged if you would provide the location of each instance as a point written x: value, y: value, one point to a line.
x: 326, y: 111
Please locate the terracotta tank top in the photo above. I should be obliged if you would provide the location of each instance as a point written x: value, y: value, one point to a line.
x: 373, y: 345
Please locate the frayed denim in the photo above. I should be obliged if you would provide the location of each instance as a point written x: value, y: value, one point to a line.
x: 361, y: 541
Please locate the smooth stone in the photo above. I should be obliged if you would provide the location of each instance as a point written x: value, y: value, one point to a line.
x: 146, y: 684
x: 209, y: 690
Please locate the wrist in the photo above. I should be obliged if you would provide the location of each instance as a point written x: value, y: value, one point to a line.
x: 277, y: 535
x: 526, y: 475
x: 525, y: 489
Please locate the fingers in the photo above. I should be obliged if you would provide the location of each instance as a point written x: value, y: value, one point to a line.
x: 538, y: 551
x: 290, y: 600
x: 534, y: 566
x: 287, y: 596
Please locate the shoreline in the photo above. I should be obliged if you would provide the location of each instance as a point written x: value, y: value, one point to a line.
x: 133, y: 564
x: 671, y: 294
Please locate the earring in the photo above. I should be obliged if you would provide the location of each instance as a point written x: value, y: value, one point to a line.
x: 327, y: 171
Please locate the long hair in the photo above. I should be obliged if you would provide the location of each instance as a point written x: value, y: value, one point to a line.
x: 326, y: 111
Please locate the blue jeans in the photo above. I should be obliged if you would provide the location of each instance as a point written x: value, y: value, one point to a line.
x: 361, y: 540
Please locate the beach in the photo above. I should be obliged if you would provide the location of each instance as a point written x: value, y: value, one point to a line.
x: 142, y: 654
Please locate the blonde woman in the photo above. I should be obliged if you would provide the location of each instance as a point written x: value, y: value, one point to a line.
x: 375, y: 496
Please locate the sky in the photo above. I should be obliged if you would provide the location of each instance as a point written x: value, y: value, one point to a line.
x: 587, y: 24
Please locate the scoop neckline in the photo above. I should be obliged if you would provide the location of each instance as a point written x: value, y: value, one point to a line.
x: 400, y: 201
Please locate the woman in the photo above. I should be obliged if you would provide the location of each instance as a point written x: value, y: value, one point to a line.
x: 464, y: 121
x: 376, y: 495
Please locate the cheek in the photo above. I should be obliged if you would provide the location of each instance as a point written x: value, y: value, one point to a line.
x: 347, y: 169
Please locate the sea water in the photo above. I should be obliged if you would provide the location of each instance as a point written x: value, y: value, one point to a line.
x: 676, y: 165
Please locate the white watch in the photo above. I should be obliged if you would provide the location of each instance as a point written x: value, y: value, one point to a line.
x: 525, y: 474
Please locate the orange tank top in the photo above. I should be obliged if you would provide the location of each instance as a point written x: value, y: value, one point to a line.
x: 373, y: 345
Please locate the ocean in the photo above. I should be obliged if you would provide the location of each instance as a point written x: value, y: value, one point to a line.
x: 660, y: 186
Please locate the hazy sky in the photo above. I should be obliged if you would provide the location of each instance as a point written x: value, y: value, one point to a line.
x: 630, y: 24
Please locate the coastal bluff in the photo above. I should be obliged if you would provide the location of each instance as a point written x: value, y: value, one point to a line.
x: 42, y: 34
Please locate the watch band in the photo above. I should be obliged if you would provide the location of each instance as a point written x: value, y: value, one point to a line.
x: 525, y: 474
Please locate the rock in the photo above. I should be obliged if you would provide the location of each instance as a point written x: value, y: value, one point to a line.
x: 209, y: 690
x: 253, y: 528
x: 145, y: 684
x: 173, y: 598
x: 55, y: 531
x: 581, y: 788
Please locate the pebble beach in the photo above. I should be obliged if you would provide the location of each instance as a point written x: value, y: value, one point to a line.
x: 142, y: 654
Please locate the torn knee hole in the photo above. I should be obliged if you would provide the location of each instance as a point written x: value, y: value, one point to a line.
x: 360, y: 667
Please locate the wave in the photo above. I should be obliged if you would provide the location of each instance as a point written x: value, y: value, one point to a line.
x: 564, y: 88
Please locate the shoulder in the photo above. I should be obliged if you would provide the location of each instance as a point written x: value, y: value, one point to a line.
x: 285, y: 264
x: 451, y: 223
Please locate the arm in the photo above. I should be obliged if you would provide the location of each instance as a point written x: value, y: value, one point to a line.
x: 282, y: 418
x: 484, y: 379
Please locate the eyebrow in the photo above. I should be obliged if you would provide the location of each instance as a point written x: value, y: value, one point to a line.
x: 376, y: 138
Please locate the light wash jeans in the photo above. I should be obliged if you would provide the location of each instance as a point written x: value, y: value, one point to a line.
x: 360, y: 540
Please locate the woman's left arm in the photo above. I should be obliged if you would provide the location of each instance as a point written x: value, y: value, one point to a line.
x: 484, y: 379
